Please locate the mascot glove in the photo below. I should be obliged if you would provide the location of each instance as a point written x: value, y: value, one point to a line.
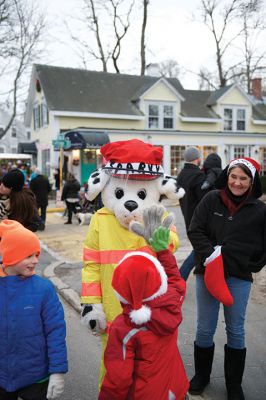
x: 152, y: 219
x: 93, y: 316
x: 56, y: 386
x: 160, y: 239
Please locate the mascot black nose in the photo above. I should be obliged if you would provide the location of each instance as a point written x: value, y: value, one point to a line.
x: 131, y: 205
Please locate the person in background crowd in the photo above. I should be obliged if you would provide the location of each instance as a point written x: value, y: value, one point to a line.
x: 229, y: 227
x: 22, y: 168
x: 18, y: 202
x: 33, y: 354
x: 57, y: 178
x: 70, y: 195
x: 191, y: 178
x: 33, y: 172
x: 212, y: 167
x: 41, y: 188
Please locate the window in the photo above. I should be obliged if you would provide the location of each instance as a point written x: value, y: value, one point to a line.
x: 160, y: 116
x: 46, y: 162
x: 177, y: 159
x: 13, y: 131
x: 239, y: 151
x: 45, y: 114
x: 40, y: 115
x: 28, y: 135
x: 234, y: 119
x: 153, y: 116
x: 168, y: 117
x: 13, y: 150
x: 2, y: 150
x: 207, y: 150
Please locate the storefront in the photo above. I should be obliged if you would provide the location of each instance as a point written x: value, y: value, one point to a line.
x: 83, y: 154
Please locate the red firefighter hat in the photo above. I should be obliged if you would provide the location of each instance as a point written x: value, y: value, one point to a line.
x: 133, y: 159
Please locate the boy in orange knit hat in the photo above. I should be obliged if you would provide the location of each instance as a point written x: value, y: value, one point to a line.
x: 33, y: 356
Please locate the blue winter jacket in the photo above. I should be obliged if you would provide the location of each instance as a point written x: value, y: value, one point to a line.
x: 32, y: 332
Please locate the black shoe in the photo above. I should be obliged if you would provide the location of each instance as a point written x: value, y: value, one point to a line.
x: 68, y: 222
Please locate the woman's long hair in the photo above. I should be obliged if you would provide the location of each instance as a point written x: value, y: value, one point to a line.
x: 22, y: 206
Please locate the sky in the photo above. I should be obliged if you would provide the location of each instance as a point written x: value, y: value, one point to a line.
x: 172, y: 33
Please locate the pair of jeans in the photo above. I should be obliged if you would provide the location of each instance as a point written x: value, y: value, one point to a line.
x: 208, y: 311
x: 37, y: 391
x: 187, y: 265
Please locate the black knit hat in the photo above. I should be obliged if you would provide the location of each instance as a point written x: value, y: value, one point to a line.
x: 14, y: 180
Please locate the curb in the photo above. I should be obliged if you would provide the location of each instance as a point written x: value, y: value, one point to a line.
x: 55, y: 209
x: 65, y: 291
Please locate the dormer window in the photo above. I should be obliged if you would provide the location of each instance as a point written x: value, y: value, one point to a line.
x: 160, y: 115
x: 234, y: 119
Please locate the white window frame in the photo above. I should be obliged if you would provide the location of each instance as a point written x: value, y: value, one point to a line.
x: 235, y: 110
x: 160, y: 105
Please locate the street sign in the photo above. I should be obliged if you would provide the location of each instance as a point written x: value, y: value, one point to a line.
x: 61, y: 142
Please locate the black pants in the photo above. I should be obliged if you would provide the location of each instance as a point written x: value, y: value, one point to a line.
x: 43, y: 212
x: 37, y: 391
x: 71, y: 208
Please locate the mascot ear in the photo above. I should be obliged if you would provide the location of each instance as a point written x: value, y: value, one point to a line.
x: 96, y: 182
x: 169, y: 187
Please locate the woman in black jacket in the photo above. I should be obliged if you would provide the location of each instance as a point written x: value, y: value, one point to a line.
x: 234, y: 220
x: 70, y: 195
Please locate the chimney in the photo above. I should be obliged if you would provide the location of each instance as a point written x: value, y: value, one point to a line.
x: 256, y: 88
x: 153, y: 69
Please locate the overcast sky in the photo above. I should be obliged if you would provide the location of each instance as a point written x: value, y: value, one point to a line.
x: 171, y: 33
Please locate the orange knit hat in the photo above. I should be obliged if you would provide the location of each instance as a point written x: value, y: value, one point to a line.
x: 17, y: 242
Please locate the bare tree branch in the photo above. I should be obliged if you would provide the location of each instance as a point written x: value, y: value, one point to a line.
x: 143, y: 36
x: 24, y: 28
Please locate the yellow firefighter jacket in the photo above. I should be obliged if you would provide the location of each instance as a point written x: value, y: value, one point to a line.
x: 106, y: 243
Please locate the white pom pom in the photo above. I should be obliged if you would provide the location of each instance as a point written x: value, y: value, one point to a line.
x: 140, y: 316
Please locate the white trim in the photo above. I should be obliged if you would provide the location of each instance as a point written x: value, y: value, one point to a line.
x: 96, y: 115
x: 258, y: 121
x: 197, y: 119
x: 178, y: 95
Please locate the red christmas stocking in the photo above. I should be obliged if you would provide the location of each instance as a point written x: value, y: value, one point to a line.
x: 214, y: 278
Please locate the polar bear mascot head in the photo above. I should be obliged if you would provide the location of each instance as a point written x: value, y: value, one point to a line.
x: 131, y: 180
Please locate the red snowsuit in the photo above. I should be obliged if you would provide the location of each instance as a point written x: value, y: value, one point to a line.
x: 143, y: 361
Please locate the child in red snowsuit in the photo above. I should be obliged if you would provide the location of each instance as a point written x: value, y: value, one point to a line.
x: 142, y: 359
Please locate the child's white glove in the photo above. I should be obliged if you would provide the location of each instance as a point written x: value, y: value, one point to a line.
x: 56, y: 386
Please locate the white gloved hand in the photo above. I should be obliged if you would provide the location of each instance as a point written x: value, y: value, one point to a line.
x: 93, y: 316
x: 56, y: 386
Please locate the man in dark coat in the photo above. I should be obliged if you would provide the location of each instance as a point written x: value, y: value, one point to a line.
x: 191, y: 179
x: 41, y: 188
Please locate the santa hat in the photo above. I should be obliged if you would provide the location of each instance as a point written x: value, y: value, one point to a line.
x: 133, y: 159
x: 17, y: 242
x: 139, y: 278
x: 251, y: 164
x: 214, y: 278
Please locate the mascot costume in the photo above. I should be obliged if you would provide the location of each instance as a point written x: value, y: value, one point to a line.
x: 131, y: 180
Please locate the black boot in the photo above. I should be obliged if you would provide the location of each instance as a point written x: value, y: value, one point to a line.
x: 203, y: 358
x: 234, y: 365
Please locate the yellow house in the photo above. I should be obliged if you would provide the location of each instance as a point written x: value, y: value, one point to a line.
x: 91, y: 108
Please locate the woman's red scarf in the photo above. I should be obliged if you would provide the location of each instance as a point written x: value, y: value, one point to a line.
x: 233, y: 203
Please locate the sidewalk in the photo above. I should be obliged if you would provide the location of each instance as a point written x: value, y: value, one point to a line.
x: 65, y: 243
